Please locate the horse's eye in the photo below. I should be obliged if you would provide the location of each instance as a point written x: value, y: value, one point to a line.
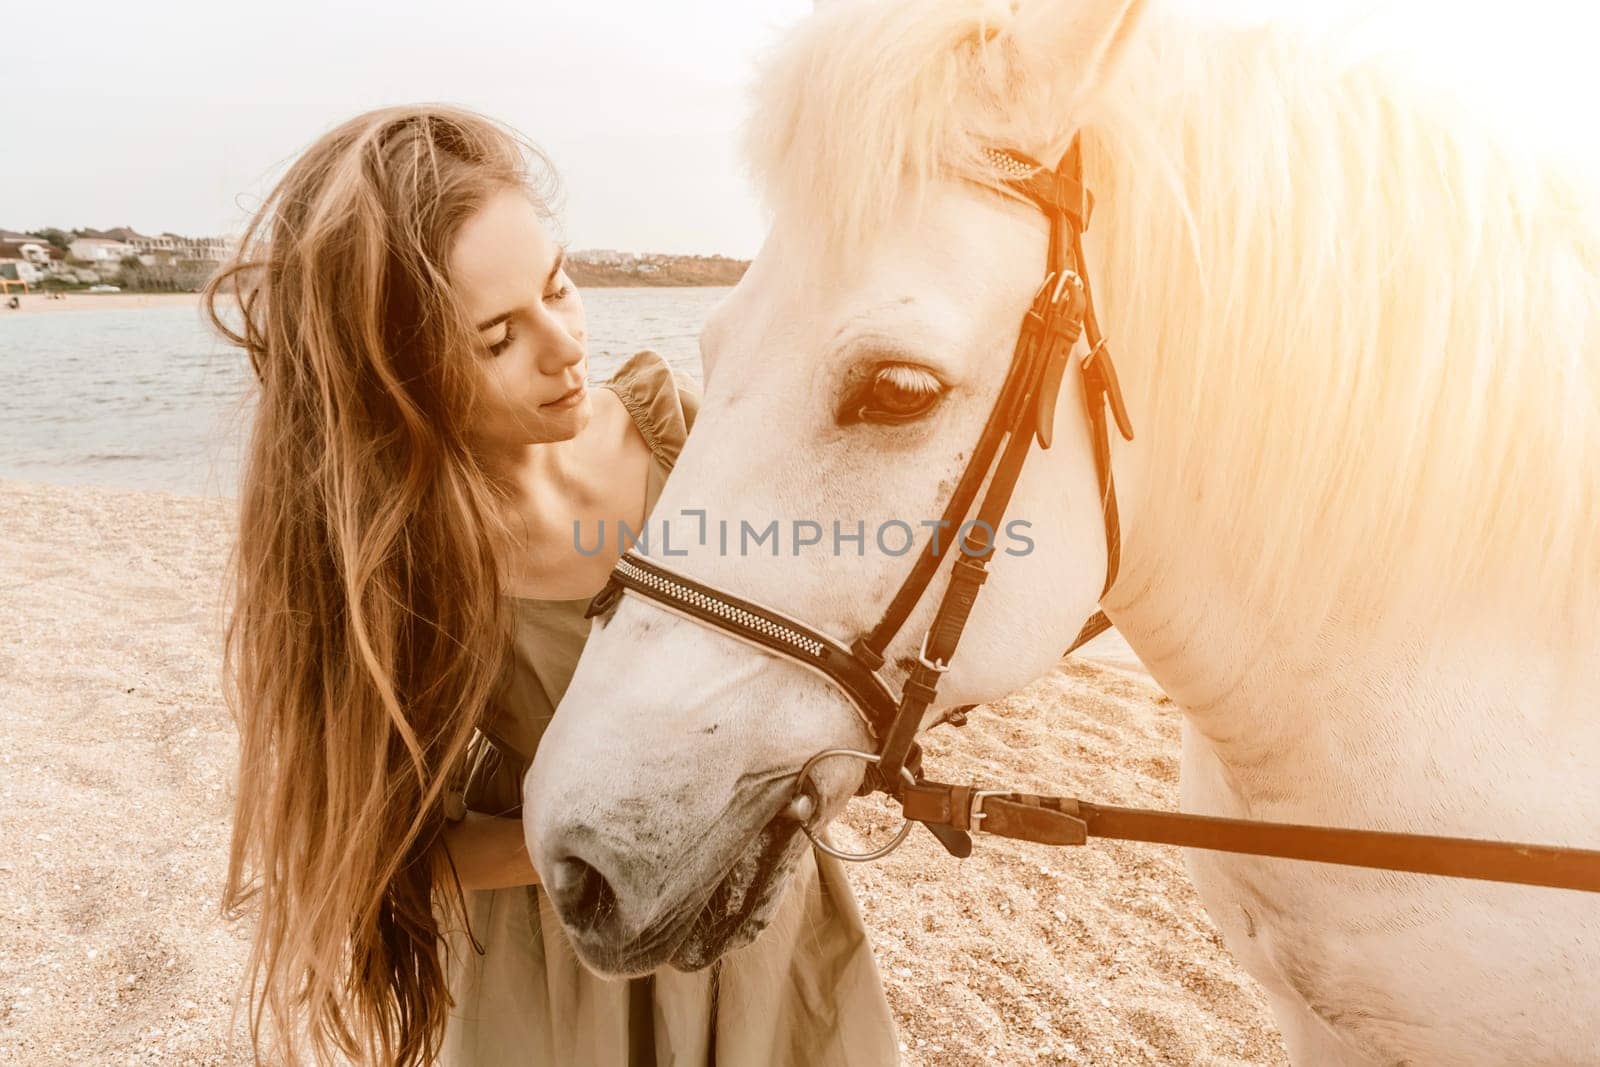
x: 895, y: 392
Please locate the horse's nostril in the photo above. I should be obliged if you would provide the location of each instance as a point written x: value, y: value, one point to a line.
x: 581, y: 893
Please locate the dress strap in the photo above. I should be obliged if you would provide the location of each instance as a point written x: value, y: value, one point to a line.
x: 662, y: 401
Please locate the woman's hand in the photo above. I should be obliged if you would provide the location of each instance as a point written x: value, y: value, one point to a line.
x: 488, y: 853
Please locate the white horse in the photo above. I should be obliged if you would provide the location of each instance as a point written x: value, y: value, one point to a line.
x: 1359, y: 335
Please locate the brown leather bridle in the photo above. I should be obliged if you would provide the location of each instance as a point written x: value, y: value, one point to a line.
x: 1061, y: 313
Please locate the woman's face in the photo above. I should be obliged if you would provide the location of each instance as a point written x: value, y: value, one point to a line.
x: 508, y: 274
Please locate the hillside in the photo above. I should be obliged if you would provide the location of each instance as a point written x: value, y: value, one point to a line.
x: 616, y: 269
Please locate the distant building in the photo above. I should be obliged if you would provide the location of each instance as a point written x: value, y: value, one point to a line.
x: 604, y: 257
x: 29, y: 247
x: 210, y: 249
x: 101, y: 245
x: 36, y: 251
x: 99, y: 249
x: 145, y: 246
x: 19, y: 270
x: 23, y: 261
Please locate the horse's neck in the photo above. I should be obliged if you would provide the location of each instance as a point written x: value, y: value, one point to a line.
x: 1304, y: 719
x: 1285, y: 697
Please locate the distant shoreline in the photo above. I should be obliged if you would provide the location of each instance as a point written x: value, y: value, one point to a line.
x: 39, y: 303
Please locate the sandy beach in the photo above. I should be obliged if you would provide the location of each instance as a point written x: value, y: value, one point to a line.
x: 116, y: 762
x: 38, y: 304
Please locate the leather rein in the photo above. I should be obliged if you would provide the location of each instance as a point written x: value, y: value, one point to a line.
x: 1062, y: 313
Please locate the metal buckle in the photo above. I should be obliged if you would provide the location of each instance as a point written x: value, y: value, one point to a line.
x: 1067, y: 277
x: 975, y: 812
x: 823, y: 846
x: 922, y: 657
x: 1093, y: 354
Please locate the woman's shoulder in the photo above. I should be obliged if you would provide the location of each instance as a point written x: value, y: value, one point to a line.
x: 663, y: 402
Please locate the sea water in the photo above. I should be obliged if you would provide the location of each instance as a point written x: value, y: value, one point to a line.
x: 152, y: 398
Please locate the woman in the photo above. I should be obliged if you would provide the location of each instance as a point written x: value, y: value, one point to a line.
x: 409, y: 609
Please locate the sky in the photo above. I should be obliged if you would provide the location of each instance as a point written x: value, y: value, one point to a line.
x: 178, y: 115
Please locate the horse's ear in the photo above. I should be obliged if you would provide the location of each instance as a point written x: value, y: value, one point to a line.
x: 1087, y: 36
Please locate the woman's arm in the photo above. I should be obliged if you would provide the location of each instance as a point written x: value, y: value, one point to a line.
x: 488, y: 852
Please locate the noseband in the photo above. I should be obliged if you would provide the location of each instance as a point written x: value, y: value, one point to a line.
x: 1024, y: 412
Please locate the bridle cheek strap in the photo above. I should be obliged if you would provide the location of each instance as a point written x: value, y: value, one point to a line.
x: 1062, y: 313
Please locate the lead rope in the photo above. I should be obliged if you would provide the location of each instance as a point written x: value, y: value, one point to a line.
x: 1055, y: 820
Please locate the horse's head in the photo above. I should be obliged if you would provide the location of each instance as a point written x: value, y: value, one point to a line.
x: 847, y: 381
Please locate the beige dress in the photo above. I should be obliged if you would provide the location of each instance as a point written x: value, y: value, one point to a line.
x: 806, y: 993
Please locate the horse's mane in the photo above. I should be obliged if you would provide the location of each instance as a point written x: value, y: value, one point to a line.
x: 1377, y: 322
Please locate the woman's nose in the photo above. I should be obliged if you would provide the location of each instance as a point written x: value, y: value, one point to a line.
x: 560, y: 346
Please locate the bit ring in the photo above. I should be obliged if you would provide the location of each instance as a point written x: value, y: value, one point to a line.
x: 824, y: 846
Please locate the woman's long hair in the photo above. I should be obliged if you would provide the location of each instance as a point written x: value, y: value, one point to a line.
x: 366, y: 633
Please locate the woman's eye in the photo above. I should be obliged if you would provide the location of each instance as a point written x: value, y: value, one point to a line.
x: 897, y: 392
x: 560, y: 294
x: 504, y: 342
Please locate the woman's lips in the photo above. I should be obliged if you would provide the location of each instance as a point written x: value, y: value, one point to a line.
x: 568, y: 400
